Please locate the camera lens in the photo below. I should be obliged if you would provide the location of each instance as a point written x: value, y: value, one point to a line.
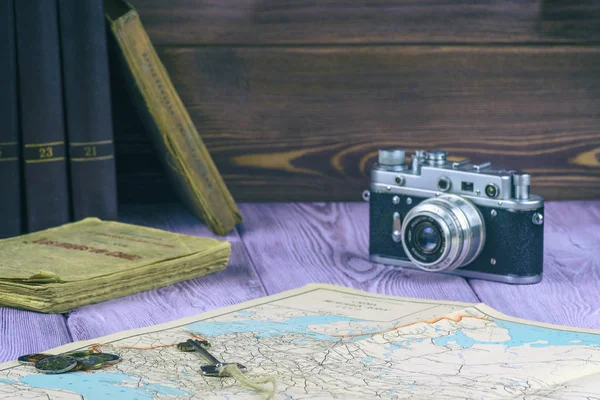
x: 424, y: 237
x: 491, y: 190
x: 427, y: 238
x: 443, y: 233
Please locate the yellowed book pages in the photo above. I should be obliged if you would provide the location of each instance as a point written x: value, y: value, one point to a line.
x: 90, y: 248
x: 93, y: 260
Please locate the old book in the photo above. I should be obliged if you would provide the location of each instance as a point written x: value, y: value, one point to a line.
x: 191, y: 169
x: 88, y: 109
x: 135, y: 155
x: 92, y: 260
x: 42, y: 120
x: 10, y: 168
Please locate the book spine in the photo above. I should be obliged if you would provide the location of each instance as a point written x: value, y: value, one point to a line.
x: 42, y: 119
x: 88, y: 108
x: 10, y: 167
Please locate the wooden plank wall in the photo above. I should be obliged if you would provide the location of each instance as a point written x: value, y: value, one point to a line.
x: 293, y: 98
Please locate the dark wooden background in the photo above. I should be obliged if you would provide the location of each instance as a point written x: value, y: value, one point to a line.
x: 293, y: 98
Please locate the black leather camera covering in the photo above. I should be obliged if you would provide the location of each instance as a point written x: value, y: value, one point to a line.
x: 512, y: 239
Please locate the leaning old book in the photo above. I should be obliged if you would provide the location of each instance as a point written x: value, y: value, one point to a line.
x: 191, y: 169
x: 89, y: 261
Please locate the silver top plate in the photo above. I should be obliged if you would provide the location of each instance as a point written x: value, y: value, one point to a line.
x: 431, y: 174
x: 533, y: 203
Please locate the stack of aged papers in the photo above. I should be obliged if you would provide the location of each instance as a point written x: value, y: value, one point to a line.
x: 91, y: 260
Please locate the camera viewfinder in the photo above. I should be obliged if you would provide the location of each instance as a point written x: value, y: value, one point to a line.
x: 466, y: 186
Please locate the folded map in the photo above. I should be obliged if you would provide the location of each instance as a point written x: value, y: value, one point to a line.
x: 330, y: 342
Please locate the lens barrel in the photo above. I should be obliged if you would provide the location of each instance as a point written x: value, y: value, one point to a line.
x: 443, y: 233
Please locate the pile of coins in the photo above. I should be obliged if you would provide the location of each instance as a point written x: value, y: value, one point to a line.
x: 84, y: 360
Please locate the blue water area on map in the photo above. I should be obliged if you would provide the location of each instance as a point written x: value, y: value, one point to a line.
x: 4, y: 380
x: 270, y: 328
x: 512, y: 382
x: 399, y: 345
x: 523, y: 334
x: 403, y: 344
x: 100, y: 386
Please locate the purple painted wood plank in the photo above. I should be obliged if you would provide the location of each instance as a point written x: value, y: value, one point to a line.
x: 237, y: 283
x: 569, y: 293
x: 24, y: 332
x: 295, y: 244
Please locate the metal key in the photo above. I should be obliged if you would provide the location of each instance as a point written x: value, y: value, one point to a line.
x: 216, y: 366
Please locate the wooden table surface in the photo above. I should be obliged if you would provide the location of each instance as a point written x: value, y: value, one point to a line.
x: 283, y: 246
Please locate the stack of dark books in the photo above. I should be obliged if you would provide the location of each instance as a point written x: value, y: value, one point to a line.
x: 56, y: 145
x: 57, y: 157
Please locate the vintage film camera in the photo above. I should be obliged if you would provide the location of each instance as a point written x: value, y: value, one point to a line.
x: 455, y: 217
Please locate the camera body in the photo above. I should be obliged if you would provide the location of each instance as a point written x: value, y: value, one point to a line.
x: 455, y: 217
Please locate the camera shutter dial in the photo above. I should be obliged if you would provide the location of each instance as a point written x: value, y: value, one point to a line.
x: 437, y: 157
x: 521, y: 182
x: 392, y: 157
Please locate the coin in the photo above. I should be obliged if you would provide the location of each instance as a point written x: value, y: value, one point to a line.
x: 108, y: 358
x: 185, y: 347
x: 79, y: 354
x: 56, y: 364
x: 78, y: 367
x: 90, y: 362
x: 32, y: 359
